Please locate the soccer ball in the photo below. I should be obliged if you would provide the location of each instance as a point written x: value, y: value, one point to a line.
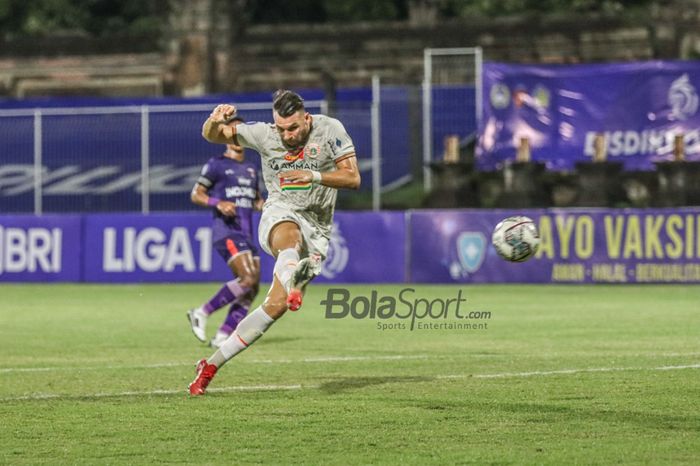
x: 516, y: 238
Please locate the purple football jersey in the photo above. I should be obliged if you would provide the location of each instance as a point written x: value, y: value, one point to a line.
x: 234, y: 181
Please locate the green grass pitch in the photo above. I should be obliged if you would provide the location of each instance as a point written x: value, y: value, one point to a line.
x: 559, y: 375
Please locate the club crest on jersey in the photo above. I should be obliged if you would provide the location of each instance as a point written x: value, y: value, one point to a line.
x: 313, y: 150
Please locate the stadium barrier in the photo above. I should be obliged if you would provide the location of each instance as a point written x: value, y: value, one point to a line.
x: 426, y: 246
x: 144, y: 155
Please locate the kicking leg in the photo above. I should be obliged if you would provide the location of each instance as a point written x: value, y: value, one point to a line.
x: 248, y: 332
x: 285, y: 241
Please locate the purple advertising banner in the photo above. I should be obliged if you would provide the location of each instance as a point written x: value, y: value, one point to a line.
x: 639, y: 108
x: 40, y: 249
x: 577, y: 246
x: 365, y: 247
x: 440, y: 246
x: 151, y: 248
x: 178, y: 248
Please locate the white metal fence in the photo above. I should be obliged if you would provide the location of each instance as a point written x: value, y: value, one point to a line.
x: 147, y: 157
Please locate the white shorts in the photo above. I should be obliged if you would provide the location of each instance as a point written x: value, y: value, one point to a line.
x: 315, y: 237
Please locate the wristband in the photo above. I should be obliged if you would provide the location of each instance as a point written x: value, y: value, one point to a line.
x: 315, y: 177
x: 212, y: 201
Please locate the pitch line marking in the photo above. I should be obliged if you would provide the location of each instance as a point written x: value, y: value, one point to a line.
x: 321, y: 359
x: 246, y: 388
x: 504, y: 375
x: 89, y: 396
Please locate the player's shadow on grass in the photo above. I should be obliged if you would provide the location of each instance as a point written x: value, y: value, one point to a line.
x: 353, y: 383
x: 541, y: 413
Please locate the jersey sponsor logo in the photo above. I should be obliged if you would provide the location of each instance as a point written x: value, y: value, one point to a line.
x: 298, y: 165
x: 294, y: 156
x: 338, y: 254
x: 244, y: 202
x: 287, y: 185
x: 240, y: 191
x: 244, y: 181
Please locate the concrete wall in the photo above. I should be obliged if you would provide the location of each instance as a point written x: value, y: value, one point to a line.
x: 207, y: 51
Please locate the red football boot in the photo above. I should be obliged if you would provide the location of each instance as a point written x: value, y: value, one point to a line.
x: 305, y: 271
x: 294, y: 300
x: 205, y: 372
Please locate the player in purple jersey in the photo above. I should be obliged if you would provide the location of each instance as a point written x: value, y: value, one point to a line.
x: 229, y: 186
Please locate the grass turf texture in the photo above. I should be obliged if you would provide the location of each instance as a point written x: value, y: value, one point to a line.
x: 98, y: 375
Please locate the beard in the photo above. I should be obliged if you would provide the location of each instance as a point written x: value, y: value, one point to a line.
x: 299, y: 143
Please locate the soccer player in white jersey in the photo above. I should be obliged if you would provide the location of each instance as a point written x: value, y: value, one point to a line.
x: 305, y: 160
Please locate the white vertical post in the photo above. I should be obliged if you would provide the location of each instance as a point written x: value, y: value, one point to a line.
x: 376, y: 144
x: 145, y: 156
x: 478, y: 64
x: 323, y: 107
x: 38, y: 163
x: 427, y: 119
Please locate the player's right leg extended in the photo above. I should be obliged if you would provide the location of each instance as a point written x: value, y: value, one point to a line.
x: 285, y: 241
x: 249, y: 330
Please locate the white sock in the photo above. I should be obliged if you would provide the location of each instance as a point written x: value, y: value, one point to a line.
x: 287, y: 261
x: 248, y: 331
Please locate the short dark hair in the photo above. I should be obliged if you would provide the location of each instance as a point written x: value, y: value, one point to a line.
x: 286, y: 103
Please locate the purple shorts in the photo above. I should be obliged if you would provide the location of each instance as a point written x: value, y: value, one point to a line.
x: 232, y: 245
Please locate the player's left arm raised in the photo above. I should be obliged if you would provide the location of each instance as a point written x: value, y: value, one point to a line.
x: 346, y: 175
